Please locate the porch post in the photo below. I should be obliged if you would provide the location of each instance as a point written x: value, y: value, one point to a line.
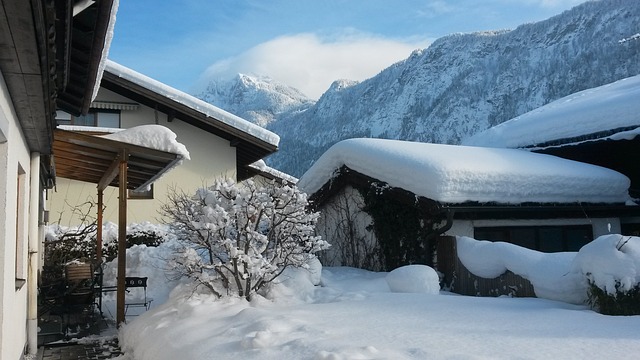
x: 99, y: 229
x: 122, y: 236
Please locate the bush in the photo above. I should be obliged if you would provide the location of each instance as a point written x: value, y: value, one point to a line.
x: 146, y: 237
x: 236, y: 238
x: 64, y: 244
x: 618, y: 303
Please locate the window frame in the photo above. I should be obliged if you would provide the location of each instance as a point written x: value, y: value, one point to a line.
x: 95, y: 113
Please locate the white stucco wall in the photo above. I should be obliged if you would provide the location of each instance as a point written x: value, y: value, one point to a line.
x: 13, y: 303
x: 342, y: 219
x: 211, y: 157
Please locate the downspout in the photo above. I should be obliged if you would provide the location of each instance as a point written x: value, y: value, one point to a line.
x: 34, y: 236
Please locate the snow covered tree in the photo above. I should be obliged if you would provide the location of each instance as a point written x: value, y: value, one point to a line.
x: 238, y: 237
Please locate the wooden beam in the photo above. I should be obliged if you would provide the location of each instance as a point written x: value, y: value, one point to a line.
x: 112, y: 172
x: 122, y: 238
x: 99, y: 229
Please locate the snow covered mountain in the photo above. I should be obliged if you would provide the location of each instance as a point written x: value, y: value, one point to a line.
x: 465, y: 83
x: 257, y: 99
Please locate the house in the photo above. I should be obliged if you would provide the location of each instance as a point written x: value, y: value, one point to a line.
x: 598, y: 126
x: 385, y: 203
x: 51, y: 54
x: 219, y: 143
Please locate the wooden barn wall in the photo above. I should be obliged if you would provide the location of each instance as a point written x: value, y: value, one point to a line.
x: 459, y: 280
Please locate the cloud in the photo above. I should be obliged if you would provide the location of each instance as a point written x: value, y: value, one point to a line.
x: 310, y: 62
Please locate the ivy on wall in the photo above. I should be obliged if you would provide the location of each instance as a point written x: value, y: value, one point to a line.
x: 406, y: 230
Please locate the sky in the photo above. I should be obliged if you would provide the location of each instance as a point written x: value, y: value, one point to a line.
x: 306, y: 44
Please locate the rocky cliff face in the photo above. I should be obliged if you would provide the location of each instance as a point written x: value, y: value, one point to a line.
x: 461, y: 84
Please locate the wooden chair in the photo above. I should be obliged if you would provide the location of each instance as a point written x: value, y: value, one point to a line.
x: 140, y: 299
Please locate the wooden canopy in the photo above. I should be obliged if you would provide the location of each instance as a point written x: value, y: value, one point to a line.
x: 94, y: 159
x: 107, y: 162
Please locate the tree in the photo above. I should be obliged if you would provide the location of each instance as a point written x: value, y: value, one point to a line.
x: 237, y: 237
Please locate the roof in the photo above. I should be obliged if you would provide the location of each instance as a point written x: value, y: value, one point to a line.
x: 610, y: 111
x: 89, y: 158
x: 460, y: 174
x: 251, y: 141
x: 261, y: 168
x: 45, y: 69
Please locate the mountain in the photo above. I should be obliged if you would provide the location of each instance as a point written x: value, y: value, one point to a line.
x: 258, y: 99
x: 464, y: 83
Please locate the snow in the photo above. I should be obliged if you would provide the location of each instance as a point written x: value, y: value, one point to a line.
x: 260, y: 165
x: 353, y: 314
x: 105, y: 50
x: 414, y: 279
x: 91, y: 129
x: 608, y: 107
x: 612, y: 261
x: 457, y: 174
x: 151, y: 136
x: 549, y: 273
x: 193, y: 102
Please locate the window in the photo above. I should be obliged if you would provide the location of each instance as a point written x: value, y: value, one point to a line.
x: 542, y: 238
x: 99, y: 118
x: 20, y: 255
x: 630, y: 229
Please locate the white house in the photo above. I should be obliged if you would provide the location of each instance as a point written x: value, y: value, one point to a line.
x: 51, y: 55
x: 219, y: 143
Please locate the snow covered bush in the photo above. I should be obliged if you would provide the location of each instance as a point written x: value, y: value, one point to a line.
x: 238, y: 237
x: 611, y: 265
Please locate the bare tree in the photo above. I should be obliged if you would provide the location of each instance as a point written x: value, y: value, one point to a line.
x: 348, y: 227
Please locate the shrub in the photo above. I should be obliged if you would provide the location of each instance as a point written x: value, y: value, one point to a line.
x: 236, y: 238
x: 620, y: 302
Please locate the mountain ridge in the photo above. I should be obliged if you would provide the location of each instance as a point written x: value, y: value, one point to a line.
x: 464, y: 83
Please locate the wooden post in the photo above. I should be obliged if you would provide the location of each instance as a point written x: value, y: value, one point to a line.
x: 99, y: 229
x: 122, y: 237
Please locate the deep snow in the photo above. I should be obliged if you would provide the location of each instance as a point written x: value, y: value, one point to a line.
x: 456, y: 174
x: 347, y: 313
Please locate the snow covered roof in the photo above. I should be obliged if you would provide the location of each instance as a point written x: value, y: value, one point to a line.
x: 263, y: 169
x: 192, y: 102
x: 610, y: 111
x: 152, y: 152
x: 458, y: 174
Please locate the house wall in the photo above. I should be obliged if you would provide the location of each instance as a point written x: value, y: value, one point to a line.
x: 14, y: 160
x: 342, y: 220
x: 600, y: 226
x: 211, y: 157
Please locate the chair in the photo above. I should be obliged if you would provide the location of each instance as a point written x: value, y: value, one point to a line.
x: 140, y: 299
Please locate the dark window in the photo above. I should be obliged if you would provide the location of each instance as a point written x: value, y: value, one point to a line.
x: 542, y: 238
x: 101, y: 118
x: 630, y: 229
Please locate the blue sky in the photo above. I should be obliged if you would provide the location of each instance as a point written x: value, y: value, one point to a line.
x: 303, y: 43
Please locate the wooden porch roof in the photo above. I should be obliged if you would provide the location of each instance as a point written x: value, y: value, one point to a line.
x: 95, y: 159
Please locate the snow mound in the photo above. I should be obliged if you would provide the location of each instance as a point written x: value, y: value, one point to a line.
x: 414, y: 279
x: 152, y: 136
x: 610, y: 260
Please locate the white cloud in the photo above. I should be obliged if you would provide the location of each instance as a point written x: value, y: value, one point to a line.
x: 311, y: 63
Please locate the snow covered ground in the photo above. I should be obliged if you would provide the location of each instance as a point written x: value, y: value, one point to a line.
x: 353, y: 314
